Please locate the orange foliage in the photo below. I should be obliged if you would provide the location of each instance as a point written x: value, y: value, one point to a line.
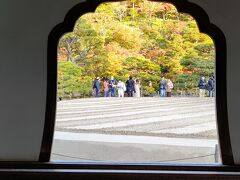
x: 117, y: 49
x: 153, y: 53
x: 62, y: 54
x: 186, y: 71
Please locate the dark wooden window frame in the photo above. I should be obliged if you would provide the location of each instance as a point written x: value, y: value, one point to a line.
x: 205, y: 26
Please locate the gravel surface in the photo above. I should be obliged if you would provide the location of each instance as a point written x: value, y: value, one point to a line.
x: 162, y: 117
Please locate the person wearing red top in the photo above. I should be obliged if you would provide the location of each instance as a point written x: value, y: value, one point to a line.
x: 105, y: 88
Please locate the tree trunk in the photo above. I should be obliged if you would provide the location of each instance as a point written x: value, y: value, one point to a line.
x: 69, y: 51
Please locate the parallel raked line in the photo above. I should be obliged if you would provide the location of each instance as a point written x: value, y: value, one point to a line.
x: 158, y: 113
x: 163, y: 125
x: 116, y: 102
x: 112, y: 106
x: 138, y: 107
x: 127, y: 99
x: 153, y: 115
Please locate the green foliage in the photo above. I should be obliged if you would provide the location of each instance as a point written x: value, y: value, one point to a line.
x: 148, y: 91
x: 127, y: 37
x: 70, y: 82
x: 135, y: 37
x: 186, y: 81
x: 199, y: 67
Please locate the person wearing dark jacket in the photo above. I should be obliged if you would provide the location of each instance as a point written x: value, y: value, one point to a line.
x: 130, y: 87
x: 112, y: 87
x: 210, y: 86
x: 202, y: 86
x: 96, y: 86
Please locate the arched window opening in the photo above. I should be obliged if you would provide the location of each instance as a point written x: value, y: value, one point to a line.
x: 171, y: 64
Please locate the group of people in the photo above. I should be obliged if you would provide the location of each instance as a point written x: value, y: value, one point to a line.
x: 111, y: 87
x: 209, y: 86
x: 165, y: 87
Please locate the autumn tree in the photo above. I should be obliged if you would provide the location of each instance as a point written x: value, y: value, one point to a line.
x: 134, y: 37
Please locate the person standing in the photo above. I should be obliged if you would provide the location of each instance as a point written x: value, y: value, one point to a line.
x: 137, y: 88
x: 96, y: 86
x: 121, y: 88
x: 169, y: 88
x: 130, y: 87
x: 210, y: 86
x: 105, y: 88
x: 162, y: 87
x: 202, y: 86
x: 112, y: 87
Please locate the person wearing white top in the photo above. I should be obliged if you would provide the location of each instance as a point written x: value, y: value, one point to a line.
x: 137, y: 88
x: 121, y: 88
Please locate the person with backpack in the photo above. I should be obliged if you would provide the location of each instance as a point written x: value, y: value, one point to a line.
x: 210, y: 86
x: 130, y: 86
x: 202, y: 86
x: 112, y: 87
x: 96, y: 86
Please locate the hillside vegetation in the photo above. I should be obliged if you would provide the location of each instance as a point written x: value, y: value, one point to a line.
x: 136, y: 37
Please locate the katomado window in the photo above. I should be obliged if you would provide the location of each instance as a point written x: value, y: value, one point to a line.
x: 136, y: 83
